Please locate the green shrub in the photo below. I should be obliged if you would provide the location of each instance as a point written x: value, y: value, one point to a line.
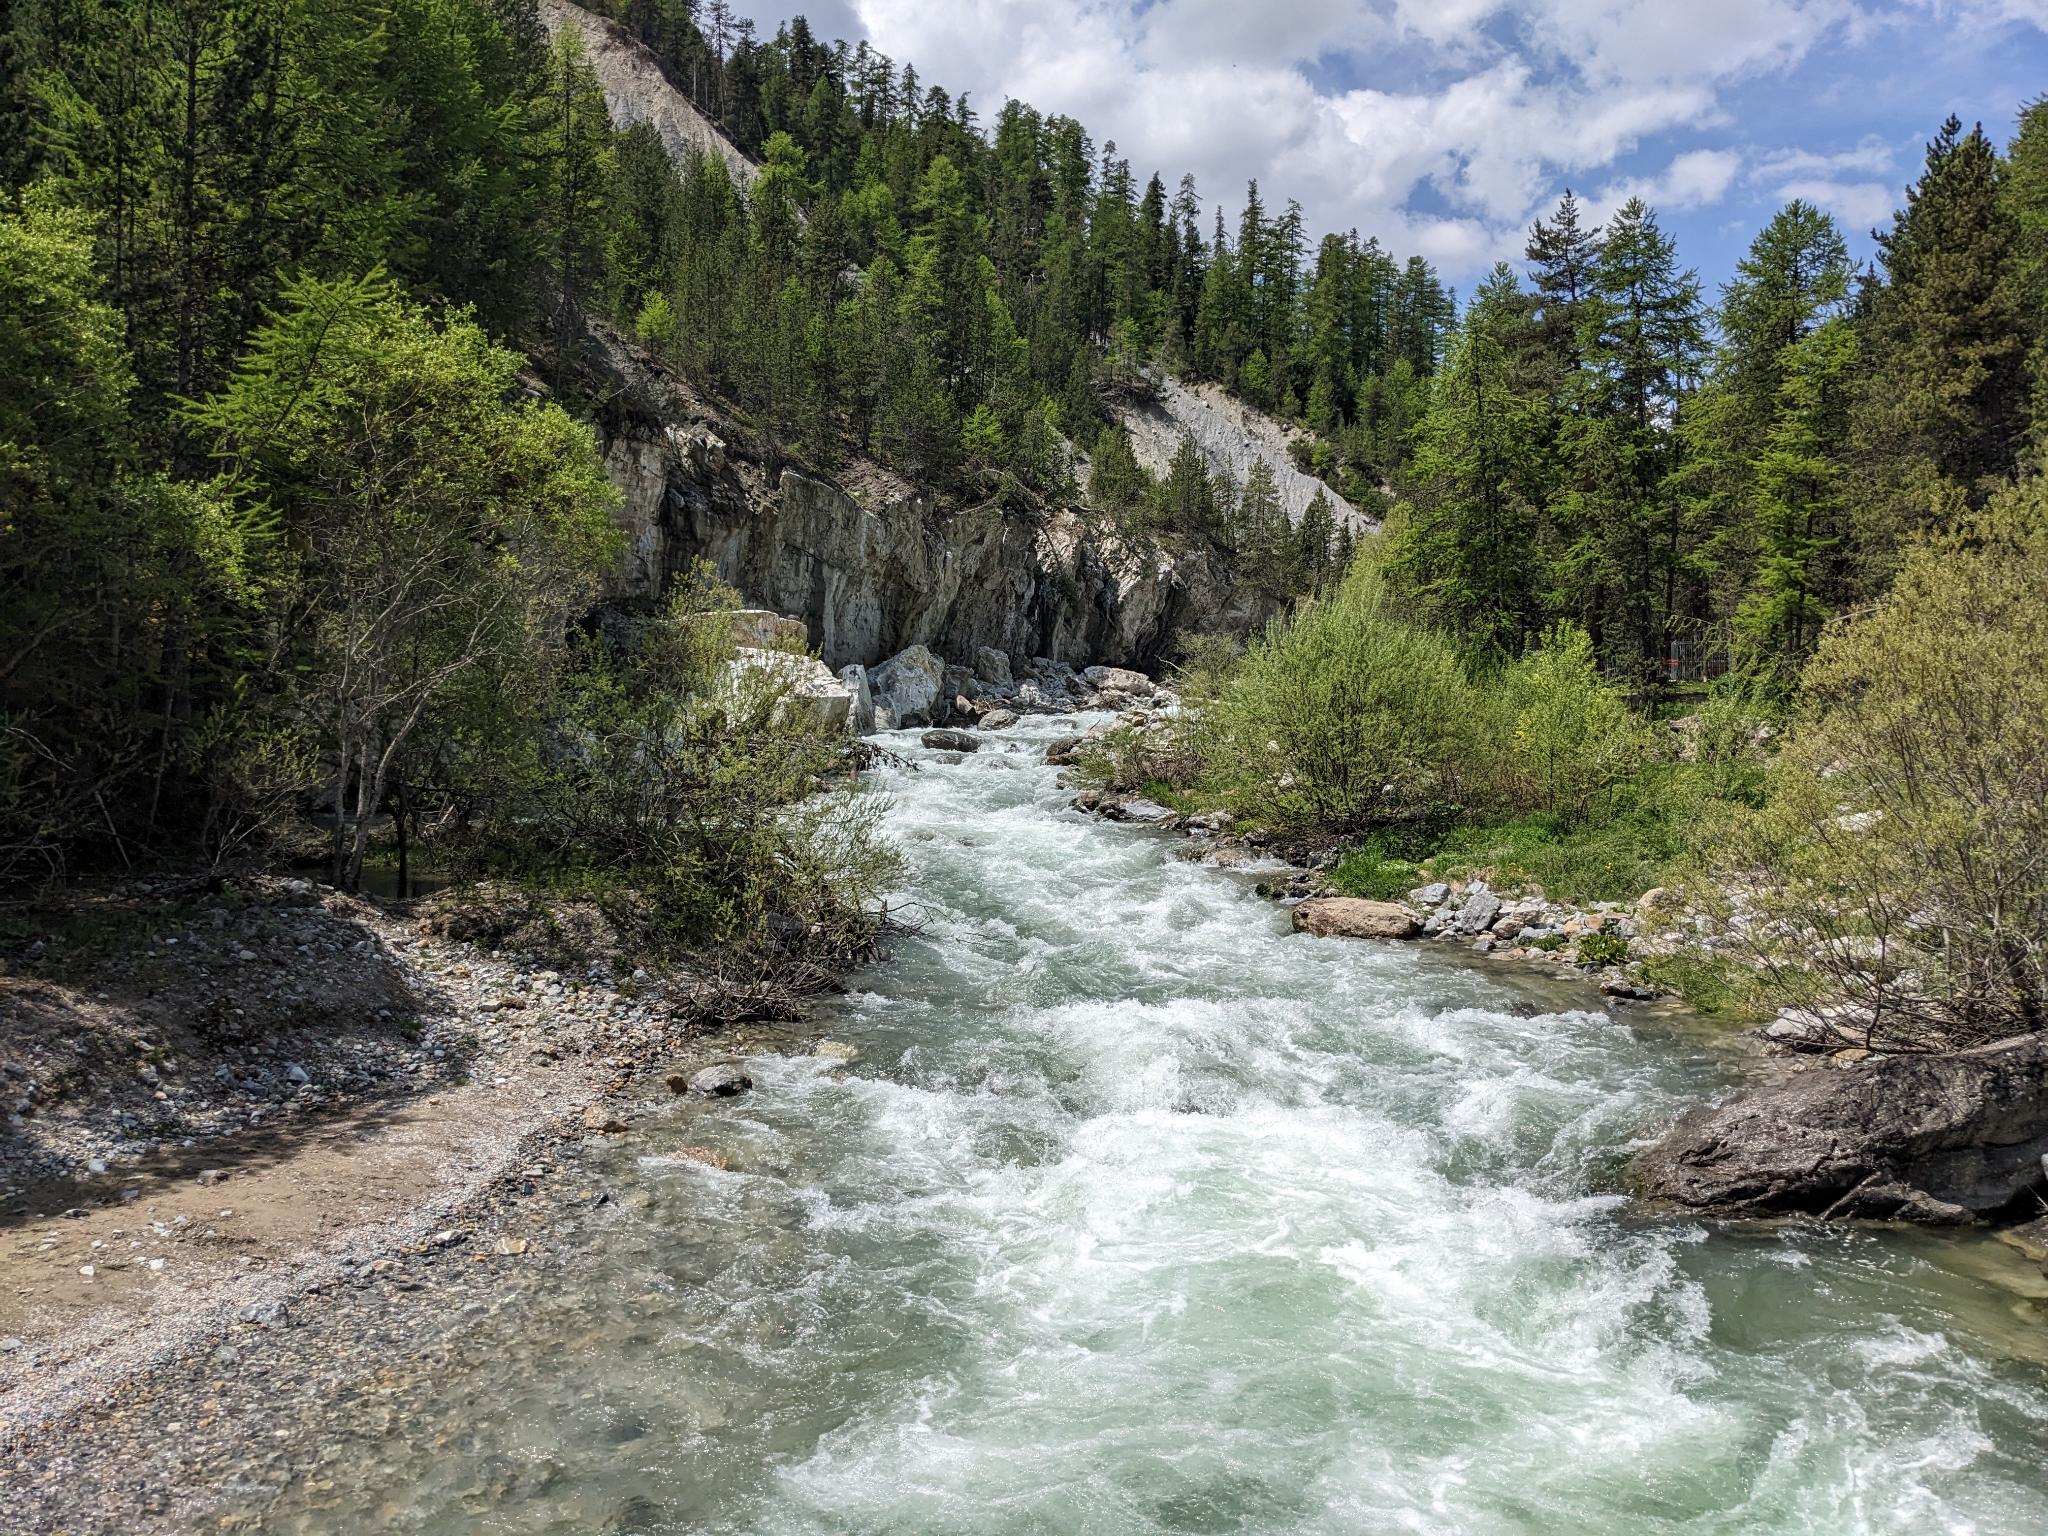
x: 1571, y: 737
x: 1901, y: 860
x: 1708, y: 983
x: 1344, y: 718
x: 1602, y: 948
x: 656, y: 322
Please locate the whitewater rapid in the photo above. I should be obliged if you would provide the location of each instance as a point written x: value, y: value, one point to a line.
x: 1139, y: 1213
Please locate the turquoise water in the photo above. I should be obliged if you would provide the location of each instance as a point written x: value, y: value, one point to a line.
x: 1139, y: 1213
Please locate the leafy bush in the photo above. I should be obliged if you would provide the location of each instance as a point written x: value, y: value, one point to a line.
x: 1344, y: 718
x: 1602, y: 948
x: 656, y: 322
x: 1571, y: 736
x: 700, y: 804
x: 1901, y: 861
x: 1709, y: 984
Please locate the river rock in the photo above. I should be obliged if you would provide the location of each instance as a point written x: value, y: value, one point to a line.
x: 1063, y: 750
x: 991, y: 666
x: 1478, y: 913
x: 1353, y: 917
x: 810, y: 684
x: 998, y: 720
x: 1118, y: 683
x: 724, y: 1081
x: 1947, y: 1138
x: 950, y: 741
x: 765, y: 629
x: 906, y: 687
x: 861, y: 714
x: 1435, y: 894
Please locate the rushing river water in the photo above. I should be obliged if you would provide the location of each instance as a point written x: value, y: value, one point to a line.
x: 1139, y: 1213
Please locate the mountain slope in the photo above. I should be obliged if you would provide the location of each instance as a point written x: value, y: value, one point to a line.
x: 636, y: 91
x: 1232, y: 436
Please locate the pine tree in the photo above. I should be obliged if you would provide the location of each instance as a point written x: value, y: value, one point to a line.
x: 571, y: 135
x: 1946, y: 335
x: 1470, y: 551
x: 1643, y: 339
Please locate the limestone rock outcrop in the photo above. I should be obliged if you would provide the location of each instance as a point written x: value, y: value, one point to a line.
x: 873, y: 574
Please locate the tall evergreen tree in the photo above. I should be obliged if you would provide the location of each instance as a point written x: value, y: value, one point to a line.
x: 1944, y: 412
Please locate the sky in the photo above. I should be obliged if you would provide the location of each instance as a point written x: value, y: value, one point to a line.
x: 1446, y: 126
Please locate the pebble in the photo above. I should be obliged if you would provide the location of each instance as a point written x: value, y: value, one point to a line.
x: 265, y: 1314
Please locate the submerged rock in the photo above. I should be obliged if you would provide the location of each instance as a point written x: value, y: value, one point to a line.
x: 721, y: 1082
x: 1353, y: 917
x: 1947, y: 1139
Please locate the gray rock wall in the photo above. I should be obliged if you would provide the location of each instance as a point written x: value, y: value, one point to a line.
x: 869, y: 582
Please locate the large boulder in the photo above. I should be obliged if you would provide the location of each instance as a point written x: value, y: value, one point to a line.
x: 1948, y: 1139
x: 906, y: 688
x: 1479, y: 911
x: 991, y: 666
x: 1118, y: 685
x: 1353, y: 917
x: 951, y: 741
x: 810, y: 683
x: 766, y: 630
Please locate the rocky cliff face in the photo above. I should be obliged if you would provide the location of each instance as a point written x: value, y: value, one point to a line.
x: 872, y: 576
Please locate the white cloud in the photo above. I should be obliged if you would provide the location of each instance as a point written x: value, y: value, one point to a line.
x: 1695, y: 179
x: 1466, y: 117
x: 1861, y: 205
x: 1845, y: 182
x: 1872, y: 155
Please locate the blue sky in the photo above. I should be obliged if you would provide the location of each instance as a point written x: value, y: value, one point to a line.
x: 1444, y: 125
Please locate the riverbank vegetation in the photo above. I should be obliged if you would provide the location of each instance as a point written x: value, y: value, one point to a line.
x: 305, y: 520
x: 1747, y: 598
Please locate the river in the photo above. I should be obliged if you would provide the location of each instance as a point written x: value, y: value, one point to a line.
x: 1139, y: 1213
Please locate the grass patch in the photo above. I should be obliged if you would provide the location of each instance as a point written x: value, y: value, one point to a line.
x: 1709, y: 985
x: 1160, y: 792
x: 1615, y: 860
x: 1373, y: 872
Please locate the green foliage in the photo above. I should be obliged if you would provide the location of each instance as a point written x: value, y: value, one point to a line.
x: 1901, y: 858
x: 102, y: 561
x: 1709, y: 984
x: 656, y: 322
x: 1601, y: 948
x: 1571, y: 737
x: 1344, y: 718
x: 691, y: 797
x: 441, y: 539
x: 1611, y: 860
x: 1369, y: 871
